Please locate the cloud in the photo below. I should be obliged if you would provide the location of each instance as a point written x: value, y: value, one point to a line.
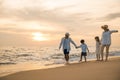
x: 111, y: 16
x: 40, y: 13
x: 25, y: 31
x: 67, y: 17
x: 56, y: 17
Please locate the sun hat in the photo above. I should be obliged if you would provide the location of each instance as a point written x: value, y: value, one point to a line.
x: 104, y: 27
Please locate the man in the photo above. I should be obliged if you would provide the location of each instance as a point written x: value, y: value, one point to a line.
x: 65, y: 42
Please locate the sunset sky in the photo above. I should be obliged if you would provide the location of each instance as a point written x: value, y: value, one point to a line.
x: 44, y: 22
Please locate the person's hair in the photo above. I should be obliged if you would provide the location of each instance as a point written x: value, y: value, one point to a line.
x: 82, y: 41
x: 97, y: 38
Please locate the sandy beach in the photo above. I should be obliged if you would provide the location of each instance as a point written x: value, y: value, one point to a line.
x: 91, y: 70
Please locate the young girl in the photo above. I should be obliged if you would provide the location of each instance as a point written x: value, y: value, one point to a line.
x: 106, y: 40
x: 97, y: 48
x: 84, y: 48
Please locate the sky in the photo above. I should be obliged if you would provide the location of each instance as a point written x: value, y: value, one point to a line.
x: 44, y: 22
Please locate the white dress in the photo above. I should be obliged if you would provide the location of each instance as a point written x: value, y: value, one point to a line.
x: 97, y: 47
x: 106, y: 37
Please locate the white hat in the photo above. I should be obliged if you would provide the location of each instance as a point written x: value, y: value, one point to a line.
x: 67, y: 33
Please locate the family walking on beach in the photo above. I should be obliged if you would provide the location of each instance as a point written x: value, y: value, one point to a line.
x: 105, y: 42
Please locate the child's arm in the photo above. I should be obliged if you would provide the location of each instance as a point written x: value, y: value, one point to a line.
x: 88, y: 49
x: 78, y: 46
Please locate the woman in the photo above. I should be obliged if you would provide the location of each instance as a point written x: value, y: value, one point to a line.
x: 106, y: 40
x: 65, y: 42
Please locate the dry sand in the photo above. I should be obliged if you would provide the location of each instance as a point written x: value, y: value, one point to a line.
x: 91, y: 70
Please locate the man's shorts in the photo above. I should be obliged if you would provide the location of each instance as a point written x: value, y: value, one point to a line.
x: 84, y: 54
x: 65, y: 51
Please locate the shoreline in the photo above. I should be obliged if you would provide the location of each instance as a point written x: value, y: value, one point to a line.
x: 91, y: 70
x: 52, y: 66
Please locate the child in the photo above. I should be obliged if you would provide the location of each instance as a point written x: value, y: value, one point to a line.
x: 97, y: 48
x: 84, y: 48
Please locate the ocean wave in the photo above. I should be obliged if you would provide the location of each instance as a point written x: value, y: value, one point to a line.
x: 43, y: 55
x: 23, y: 55
x: 7, y: 63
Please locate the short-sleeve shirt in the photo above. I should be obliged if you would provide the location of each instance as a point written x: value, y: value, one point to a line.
x: 83, y: 47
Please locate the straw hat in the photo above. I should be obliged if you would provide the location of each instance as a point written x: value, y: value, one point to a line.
x: 104, y: 27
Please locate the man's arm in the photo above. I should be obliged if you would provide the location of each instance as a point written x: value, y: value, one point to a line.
x: 73, y: 43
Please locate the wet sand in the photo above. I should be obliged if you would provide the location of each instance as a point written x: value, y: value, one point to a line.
x: 91, y: 70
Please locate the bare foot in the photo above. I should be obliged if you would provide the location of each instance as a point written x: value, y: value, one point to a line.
x: 106, y: 59
x: 101, y: 60
x: 67, y: 63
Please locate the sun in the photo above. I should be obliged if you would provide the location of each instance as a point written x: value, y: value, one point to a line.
x: 37, y: 36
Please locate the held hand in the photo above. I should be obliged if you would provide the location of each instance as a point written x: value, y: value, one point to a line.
x: 88, y: 51
x: 76, y: 47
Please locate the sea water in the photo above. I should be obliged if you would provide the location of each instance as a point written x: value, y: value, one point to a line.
x: 15, y: 59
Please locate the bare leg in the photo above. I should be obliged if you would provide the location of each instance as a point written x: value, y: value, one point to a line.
x: 97, y: 56
x: 81, y: 58
x: 67, y: 57
x: 85, y: 58
x: 107, y: 52
x: 102, y: 51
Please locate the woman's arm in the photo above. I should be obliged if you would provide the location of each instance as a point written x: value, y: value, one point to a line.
x: 113, y: 31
